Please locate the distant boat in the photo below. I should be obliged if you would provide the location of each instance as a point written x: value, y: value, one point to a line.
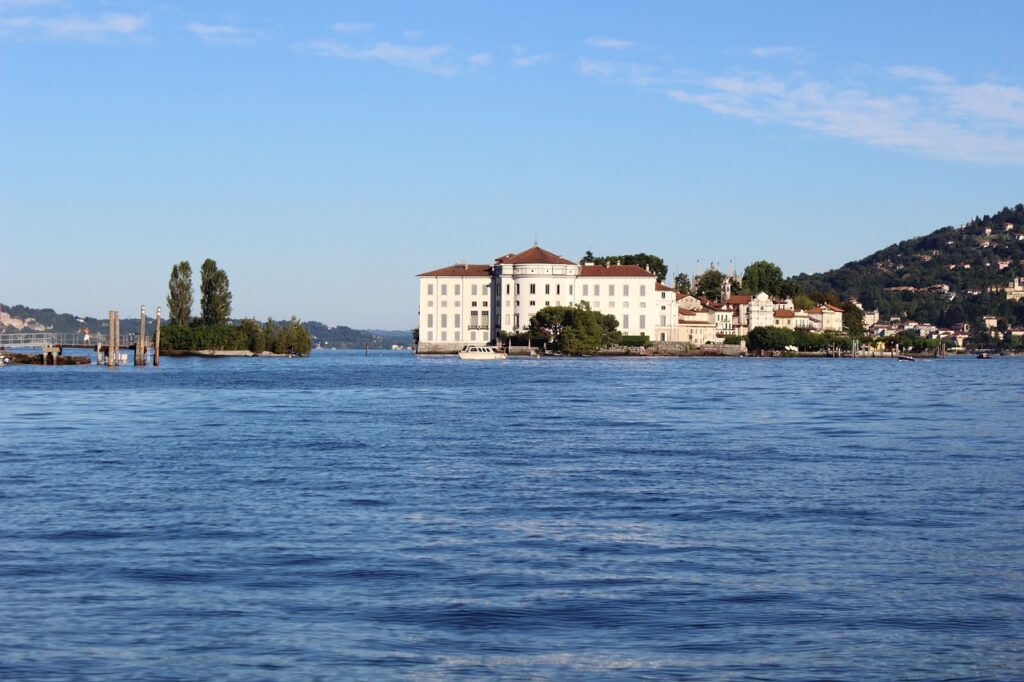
x: 481, y: 353
x: 984, y: 355
x: 905, y: 357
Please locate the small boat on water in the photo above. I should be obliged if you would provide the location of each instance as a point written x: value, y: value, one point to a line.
x: 984, y: 355
x: 481, y: 353
x: 906, y: 357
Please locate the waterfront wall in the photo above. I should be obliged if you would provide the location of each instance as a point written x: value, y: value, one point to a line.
x: 683, y: 348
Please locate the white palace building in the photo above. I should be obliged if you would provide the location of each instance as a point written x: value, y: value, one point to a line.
x: 464, y: 303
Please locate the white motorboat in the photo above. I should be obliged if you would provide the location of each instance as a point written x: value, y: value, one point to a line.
x: 481, y: 353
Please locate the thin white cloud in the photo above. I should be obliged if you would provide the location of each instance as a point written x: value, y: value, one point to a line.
x: 921, y: 73
x: 610, y: 43
x: 523, y: 60
x: 528, y: 60
x: 434, y: 59
x: 771, y: 51
x: 73, y: 27
x: 482, y: 59
x: 353, y: 27
x: 409, y: 34
x: 631, y: 73
x: 993, y: 102
x: 931, y: 114
x: 222, y: 34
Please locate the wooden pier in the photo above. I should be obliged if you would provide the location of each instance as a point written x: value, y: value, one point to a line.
x: 108, y: 351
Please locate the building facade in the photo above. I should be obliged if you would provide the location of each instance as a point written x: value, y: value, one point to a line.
x: 464, y: 303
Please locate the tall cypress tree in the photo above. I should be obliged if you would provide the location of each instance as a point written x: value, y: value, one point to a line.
x: 179, y: 297
x: 215, y: 294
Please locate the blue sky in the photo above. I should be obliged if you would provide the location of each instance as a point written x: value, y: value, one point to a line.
x: 325, y: 153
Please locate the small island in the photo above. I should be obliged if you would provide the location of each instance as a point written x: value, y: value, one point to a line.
x: 213, y: 333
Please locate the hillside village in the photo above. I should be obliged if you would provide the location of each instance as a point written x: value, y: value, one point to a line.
x: 957, y: 288
x: 957, y: 282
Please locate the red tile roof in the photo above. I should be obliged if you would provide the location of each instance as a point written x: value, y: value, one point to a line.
x: 784, y: 313
x: 614, y: 271
x: 823, y: 307
x: 661, y: 286
x: 460, y: 270
x: 534, y: 255
x: 737, y: 299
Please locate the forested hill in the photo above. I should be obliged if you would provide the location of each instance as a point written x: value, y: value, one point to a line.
x: 988, y: 251
x: 19, y: 318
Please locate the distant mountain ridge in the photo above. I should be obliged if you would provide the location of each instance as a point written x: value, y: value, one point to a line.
x: 20, y: 318
x: 954, y: 274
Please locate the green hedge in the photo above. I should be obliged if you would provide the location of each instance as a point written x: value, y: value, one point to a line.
x: 288, y: 338
x: 636, y: 340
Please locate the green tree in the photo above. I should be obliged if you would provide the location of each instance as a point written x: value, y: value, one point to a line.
x: 215, y: 294
x: 803, y: 302
x: 645, y: 260
x: 770, y: 338
x: 549, y: 323
x: 298, y: 338
x: 853, y: 319
x: 179, y: 296
x: 710, y: 284
x: 763, y: 276
x: 270, y: 336
x: 682, y: 283
x: 575, y: 330
x: 253, y: 334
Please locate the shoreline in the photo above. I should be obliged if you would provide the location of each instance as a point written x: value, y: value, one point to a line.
x: 223, y: 354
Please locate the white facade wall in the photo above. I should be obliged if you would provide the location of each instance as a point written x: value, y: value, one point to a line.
x: 633, y: 301
x: 760, y: 312
x: 526, y: 288
x: 446, y: 309
x: 506, y: 296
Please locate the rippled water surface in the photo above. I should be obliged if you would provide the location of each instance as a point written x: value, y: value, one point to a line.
x: 391, y: 516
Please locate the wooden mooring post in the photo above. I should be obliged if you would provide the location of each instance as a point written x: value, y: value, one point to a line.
x: 110, y: 338
x: 140, y: 343
x: 156, y: 340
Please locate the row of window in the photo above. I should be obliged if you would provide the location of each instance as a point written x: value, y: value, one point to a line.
x: 533, y: 289
x: 480, y: 321
x: 625, y: 321
x: 455, y: 304
x: 611, y: 290
x: 474, y: 289
x: 486, y: 288
x: 457, y: 336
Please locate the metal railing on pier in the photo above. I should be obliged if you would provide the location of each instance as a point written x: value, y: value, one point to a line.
x: 64, y: 340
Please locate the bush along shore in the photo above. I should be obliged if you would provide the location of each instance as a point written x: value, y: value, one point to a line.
x: 248, y: 338
x: 211, y: 334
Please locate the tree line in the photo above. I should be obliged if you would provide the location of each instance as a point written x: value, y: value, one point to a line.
x: 212, y: 329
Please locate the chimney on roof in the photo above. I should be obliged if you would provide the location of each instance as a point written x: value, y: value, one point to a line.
x: 618, y: 262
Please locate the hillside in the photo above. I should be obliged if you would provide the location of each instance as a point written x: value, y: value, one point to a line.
x: 944, y: 277
x: 20, y: 318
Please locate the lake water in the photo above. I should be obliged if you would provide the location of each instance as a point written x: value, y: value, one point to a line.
x: 391, y: 516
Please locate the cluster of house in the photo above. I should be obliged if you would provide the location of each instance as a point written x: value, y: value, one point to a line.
x: 1014, y: 290
x: 958, y: 333
x: 465, y: 303
x: 701, y: 321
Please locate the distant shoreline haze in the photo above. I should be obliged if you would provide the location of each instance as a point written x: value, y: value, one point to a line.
x: 21, y: 318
